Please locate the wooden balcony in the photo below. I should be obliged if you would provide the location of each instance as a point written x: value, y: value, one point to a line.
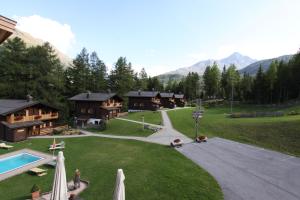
x: 15, y: 119
x: 111, y: 105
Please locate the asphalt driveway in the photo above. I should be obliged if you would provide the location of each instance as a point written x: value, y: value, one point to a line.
x: 247, y: 172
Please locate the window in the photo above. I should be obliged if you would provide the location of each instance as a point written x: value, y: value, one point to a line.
x: 20, y: 113
x: 135, y: 104
x: 141, y: 104
x: 82, y: 110
x: 20, y: 130
x: 36, y: 111
x: 46, y: 111
x: 91, y: 111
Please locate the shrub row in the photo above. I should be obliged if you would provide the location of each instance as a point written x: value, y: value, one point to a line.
x: 257, y: 114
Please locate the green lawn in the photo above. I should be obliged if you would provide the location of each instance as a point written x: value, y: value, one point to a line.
x: 152, y: 117
x: 152, y: 171
x: 277, y: 133
x: 123, y: 128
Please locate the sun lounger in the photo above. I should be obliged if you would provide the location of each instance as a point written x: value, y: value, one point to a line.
x: 52, y: 163
x: 5, y: 146
x: 38, y: 171
x: 60, y: 145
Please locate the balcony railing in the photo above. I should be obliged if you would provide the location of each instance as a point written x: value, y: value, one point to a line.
x: 111, y: 105
x: 18, y: 118
x: 32, y: 117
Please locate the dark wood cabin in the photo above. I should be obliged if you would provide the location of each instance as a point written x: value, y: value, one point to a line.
x: 90, y: 106
x: 143, y: 100
x: 167, y: 99
x: 7, y: 27
x: 179, y: 100
x: 24, y: 118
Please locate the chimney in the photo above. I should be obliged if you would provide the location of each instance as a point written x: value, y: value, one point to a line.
x: 29, y: 97
x: 88, y: 94
x: 108, y: 91
x: 139, y: 92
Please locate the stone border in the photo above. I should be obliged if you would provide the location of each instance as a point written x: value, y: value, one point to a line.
x: 46, y: 159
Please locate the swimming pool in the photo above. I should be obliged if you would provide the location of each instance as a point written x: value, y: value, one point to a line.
x: 17, y: 161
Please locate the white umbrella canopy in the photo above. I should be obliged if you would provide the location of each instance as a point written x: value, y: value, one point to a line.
x: 119, y: 193
x: 60, y: 187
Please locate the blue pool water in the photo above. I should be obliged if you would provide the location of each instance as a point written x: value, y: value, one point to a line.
x: 16, y: 161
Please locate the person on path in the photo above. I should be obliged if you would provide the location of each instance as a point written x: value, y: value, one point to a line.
x: 77, y: 179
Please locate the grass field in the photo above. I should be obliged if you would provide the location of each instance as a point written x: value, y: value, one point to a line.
x: 124, y: 128
x: 152, y: 171
x: 277, y: 133
x: 152, y: 117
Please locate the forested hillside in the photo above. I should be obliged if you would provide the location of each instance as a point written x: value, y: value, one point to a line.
x: 37, y: 71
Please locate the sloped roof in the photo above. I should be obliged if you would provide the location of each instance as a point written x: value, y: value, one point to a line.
x: 142, y: 94
x: 94, y: 96
x: 7, y: 27
x: 166, y: 94
x: 8, y: 106
x: 22, y: 124
x: 179, y: 96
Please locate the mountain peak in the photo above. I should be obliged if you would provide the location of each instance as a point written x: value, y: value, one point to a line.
x: 239, y: 60
x: 236, y: 54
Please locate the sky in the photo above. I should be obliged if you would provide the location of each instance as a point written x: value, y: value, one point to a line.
x: 162, y: 35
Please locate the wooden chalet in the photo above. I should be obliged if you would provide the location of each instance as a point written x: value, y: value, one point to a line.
x: 167, y: 99
x: 20, y: 119
x: 179, y: 100
x: 143, y: 100
x: 7, y: 27
x: 96, y: 106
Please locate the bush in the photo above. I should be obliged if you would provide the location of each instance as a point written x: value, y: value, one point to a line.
x: 257, y: 114
x: 293, y: 112
x: 35, y: 188
x: 57, y: 131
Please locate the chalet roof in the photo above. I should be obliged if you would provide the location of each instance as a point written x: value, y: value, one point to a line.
x: 166, y: 94
x: 179, y: 96
x: 8, y: 106
x: 7, y: 27
x: 22, y: 124
x: 142, y: 94
x: 94, y: 96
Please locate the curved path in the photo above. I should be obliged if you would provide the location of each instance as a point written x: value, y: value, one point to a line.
x: 243, y: 171
x: 164, y: 136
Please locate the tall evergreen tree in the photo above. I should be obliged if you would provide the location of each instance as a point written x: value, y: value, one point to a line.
x: 121, y: 78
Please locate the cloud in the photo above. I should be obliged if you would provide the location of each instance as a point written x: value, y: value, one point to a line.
x: 58, y: 34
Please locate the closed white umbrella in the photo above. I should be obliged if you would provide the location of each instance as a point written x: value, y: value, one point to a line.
x: 119, y: 193
x: 60, y: 188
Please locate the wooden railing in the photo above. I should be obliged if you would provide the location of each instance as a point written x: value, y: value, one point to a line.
x: 111, y: 105
x: 15, y: 119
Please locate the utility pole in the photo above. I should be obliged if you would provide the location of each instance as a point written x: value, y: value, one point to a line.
x: 231, y: 104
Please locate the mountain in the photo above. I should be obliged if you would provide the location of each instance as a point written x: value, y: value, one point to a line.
x: 240, y: 61
x: 31, y: 41
x: 253, y: 68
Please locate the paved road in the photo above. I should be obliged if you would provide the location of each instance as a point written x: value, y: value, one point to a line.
x: 247, y: 172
